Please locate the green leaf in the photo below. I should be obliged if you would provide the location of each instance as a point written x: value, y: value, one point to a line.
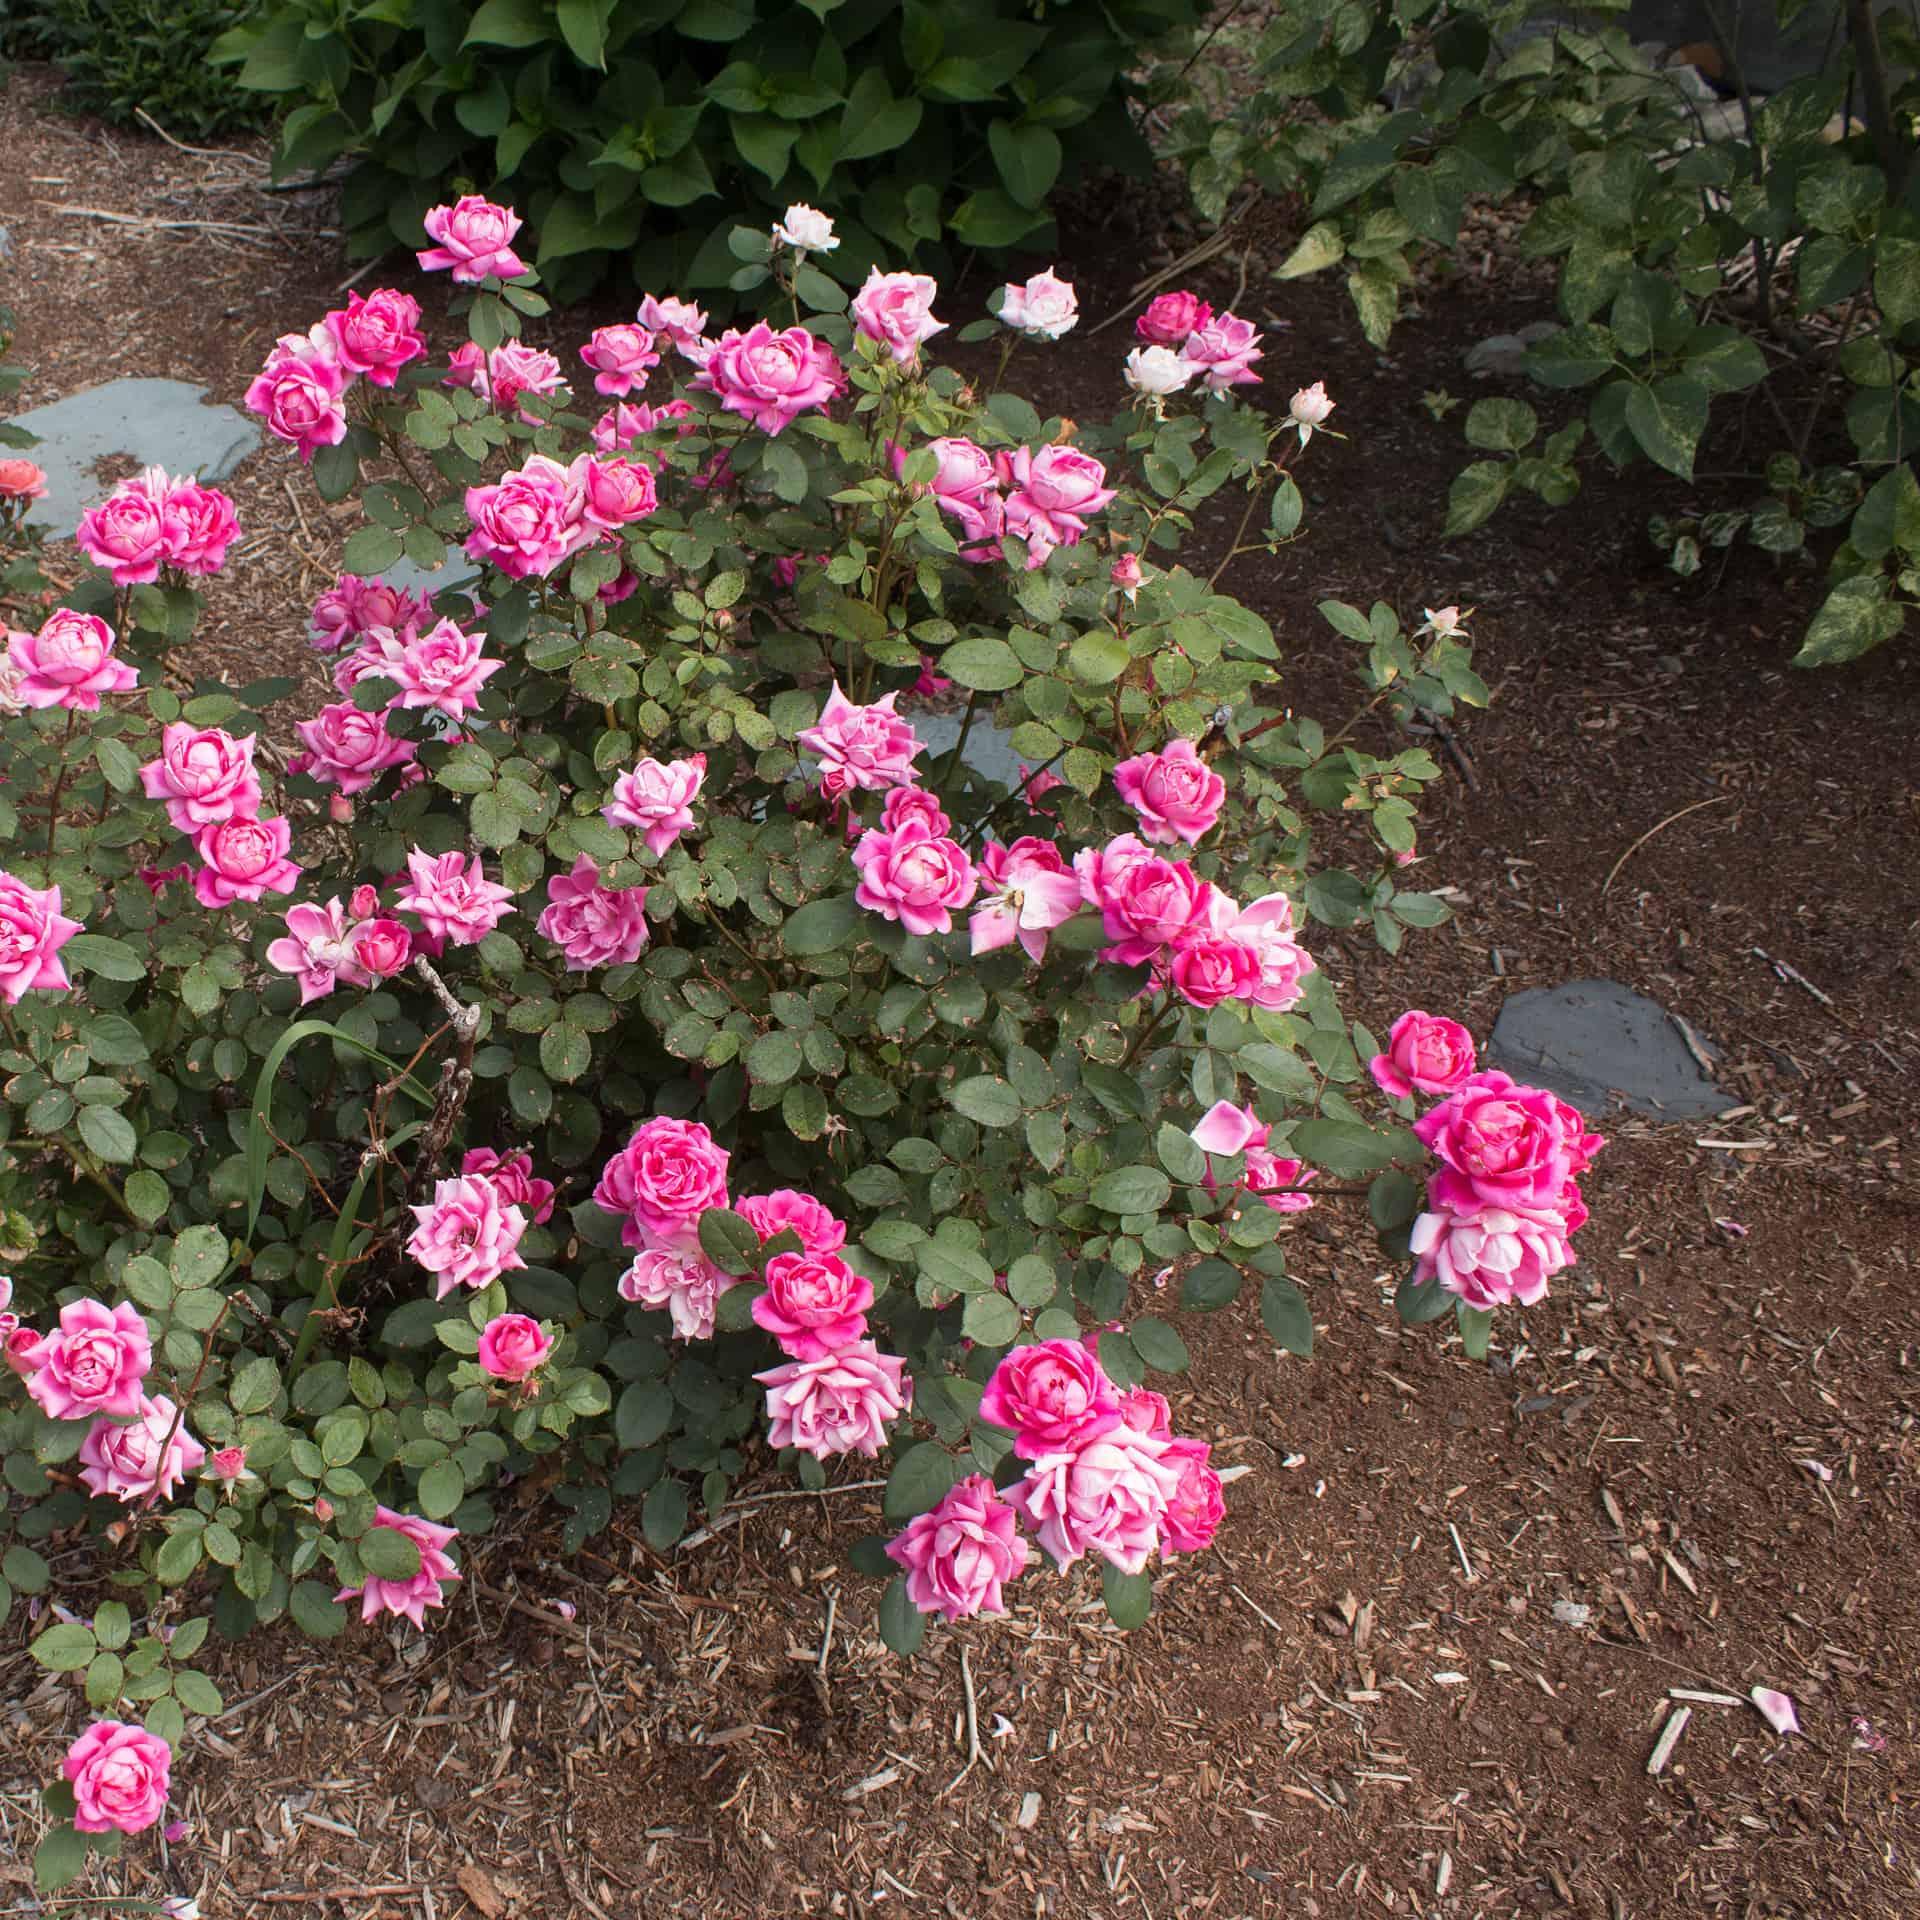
x: 663, y: 1518
x: 442, y: 1487
x: 26, y: 1572
x: 1476, y: 492
x: 1501, y: 426
x: 1159, y: 1345
x: 1180, y: 1154
x: 371, y: 551
x: 729, y: 1241
x: 1343, y: 1147
x: 1284, y: 1309
x: 984, y: 664
x: 1028, y: 158
x: 902, y: 1625
x: 110, y: 959
x: 388, y: 1554
x: 1210, y: 1285
x: 820, y: 926
x: 1394, y: 1200
x: 177, y: 1556
x: 774, y: 1058
x: 1418, y: 1301
x: 990, y: 1320
x: 59, y: 1859
x: 113, y: 1040
x: 1132, y: 1190
x: 148, y: 1196
x: 65, y: 1647
x: 105, y: 1677
x: 1573, y: 357
x: 315, y: 1611
x: 197, y: 1693
x: 509, y: 23
x: 255, y: 1383
x: 1320, y: 246
x: 1128, y: 1596
x: 1476, y: 1327
x: 1855, y: 617
x: 1667, y: 419
x: 643, y: 1413
x: 1098, y: 657
x: 922, y: 1477
x: 986, y: 1098
x: 109, y: 1134
x: 583, y: 25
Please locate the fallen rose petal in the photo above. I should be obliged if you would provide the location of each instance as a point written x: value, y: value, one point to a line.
x: 1776, y: 1710
x: 1814, y: 1467
x: 1865, y: 1739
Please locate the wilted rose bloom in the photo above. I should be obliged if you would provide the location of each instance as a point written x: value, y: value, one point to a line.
x: 1175, y: 793
x: 770, y: 378
x: 679, y: 320
x: 1197, y: 1504
x: 453, y: 896
x: 531, y: 521
x: 203, y: 774
x: 1045, y: 308
x: 1147, y: 1412
x: 896, y: 310
x: 1227, y: 1129
x: 914, y: 876
x: 377, y: 334
x: 199, y: 524
x: 1049, y: 495
x: 621, y: 358
x: 1426, y: 1054
x: 467, y: 1235
x: 349, y: 748
x: 1027, y: 891
x: 666, y: 1176
x: 135, y: 1460
x: 683, y: 1281
x: 1491, y: 1257
x: 1170, y: 317
x: 1506, y: 1142
x: 621, y: 426
x: 1108, y: 1496
x: 814, y: 1304
x: 69, y: 663
x: 298, y: 392
x: 427, y: 1588
x: 32, y: 932
x: 840, y: 1403
x: 1051, y: 1395
x: 317, y: 949
x: 445, y: 668
x: 1158, y: 371
x: 656, y: 800
x: 593, y: 926
x: 93, y: 1362
x: 120, y: 1777
x: 243, y: 859
x: 1265, y: 926
x: 1309, y: 408
x: 615, y: 493
x: 785, y: 1210
x: 157, y: 880
x: 806, y: 230
x: 959, y: 1556
x: 513, y: 1175
x: 513, y: 1346
x: 1223, y: 351
x: 870, y: 746
x: 22, y: 480
x: 474, y: 237
x: 126, y: 534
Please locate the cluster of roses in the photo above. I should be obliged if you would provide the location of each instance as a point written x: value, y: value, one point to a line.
x: 1043, y: 496
x: 1505, y: 1201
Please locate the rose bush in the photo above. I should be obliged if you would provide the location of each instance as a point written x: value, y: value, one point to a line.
x: 618, y: 1043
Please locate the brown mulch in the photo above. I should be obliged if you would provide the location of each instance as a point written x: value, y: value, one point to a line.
x: 1425, y: 1665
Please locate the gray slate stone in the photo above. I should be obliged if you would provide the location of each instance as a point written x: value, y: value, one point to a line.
x: 1594, y: 1042
x: 1506, y: 353
x: 989, y: 751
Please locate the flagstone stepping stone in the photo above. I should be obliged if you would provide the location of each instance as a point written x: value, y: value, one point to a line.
x: 989, y: 750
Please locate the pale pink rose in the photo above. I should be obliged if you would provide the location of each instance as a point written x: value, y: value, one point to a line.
x: 22, y: 480
x: 1490, y: 1258
x: 770, y: 378
x: 679, y: 320
x: 135, y: 1460
x: 200, y: 524
x: 1207, y: 967
x: 785, y: 1210
x: 467, y: 1235
x: 1149, y: 905
x: 426, y: 1589
x: 352, y: 606
x: 120, y: 1777
x: 621, y: 358
x: 350, y: 749
x: 531, y: 521
x: 806, y: 230
x: 453, y: 896
x: 1197, y: 1505
x: 1101, y: 869
x: 228, y: 1470
x: 377, y: 334
x: 1051, y: 1395
x: 1045, y: 308
x: 445, y: 668
x: 1225, y: 1128
x: 317, y: 949
x: 512, y: 1346
x: 840, y: 1403
x: 1147, y: 1412
x: 243, y: 859
x: 203, y: 774
x: 1265, y: 926
x: 896, y: 310
x: 615, y: 493
x: 1125, y: 574
x: 1108, y: 1496
x: 624, y: 425
x: 68, y: 663
x: 513, y: 1175
x: 656, y: 800
x: 666, y: 1176
x: 1426, y: 1054
x: 1309, y: 409
x: 515, y: 369
x: 683, y: 1281
x: 914, y: 876
x: 913, y: 803
x: 1026, y: 891
x: 1506, y: 1142
x: 1049, y: 495
x: 1157, y: 372
x: 93, y: 1362
x: 475, y: 238
x: 593, y: 926
x: 1175, y: 793
x: 959, y: 1556
x: 126, y: 534
x: 872, y: 746
x: 1170, y: 317
x: 32, y: 932
x: 814, y: 1304
x: 1444, y: 623
x: 298, y: 393
x: 1224, y: 350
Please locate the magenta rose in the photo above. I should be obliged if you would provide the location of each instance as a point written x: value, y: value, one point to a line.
x: 1107, y: 1496
x: 141, y: 1459
x: 1224, y: 349
x: 683, y: 1281
x: 1101, y: 869
x: 120, y: 1777
x: 513, y: 1175
x: 786, y: 1211
x: 317, y: 949
x: 621, y: 358
x: 1425, y: 1054
x: 20, y: 1347
x: 1170, y: 317
x: 200, y: 524
x: 298, y: 393
x: 243, y: 859
x: 771, y: 378
x: 427, y: 1587
x: 1265, y: 928
x: 666, y: 1176
x: 913, y: 876
x: 1197, y: 1504
x: 445, y: 667
x: 474, y: 237
x: 1207, y: 968
x: 1026, y: 891
x: 594, y: 926
x: 377, y: 334
x: 467, y: 1235
x: 871, y: 746
x: 512, y: 1346
x: 1050, y: 1395
x: 1147, y: 1412
x: 68, y: 663
x: 656, y: 799
x: 203, y: 774
x: 814, y: 1304
x: 531, y: 521
x: 1491, y: 1257
x: 1506, y: 1142
x: 1175, y: 793
x: 913, y: 803
x: 677, y: 320
x: 1050, y: 494
x: 352, y: 606
x: 453, y: 896
x: 959, y: 1556
x: 615, y: 493
x: 92, y: 1363
x: 381, y: 948
x: 840, y: 1403
x: 896, y: 310
x: 32, y: 932
x: 1153, y: 905
x: 126, y: 534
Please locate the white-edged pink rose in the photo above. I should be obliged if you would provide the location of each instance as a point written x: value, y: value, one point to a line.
x: 243, y: 858
x: 656, y: 800
x: 1108, y: 1496
x: 453, y: 896
x: 32, y: 932
x: 474, y: 237
x: 203, y: 774
x: 467, y: 1235
x: 1044, y: 308
x: 838, y: 1404
x: 69, y: 663
x: 896, y: 310
x: 683, y: 1281
x: 593, y: 926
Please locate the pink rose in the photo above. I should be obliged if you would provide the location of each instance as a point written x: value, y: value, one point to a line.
x: 157, y: 880
x: 1028, y: 890
x: 514, y: 1177
x: 1170, y: 317
x: 621, y: 358
x: 814, y: 1304
x: 298, y: 393
x: 444, y: 667
x: 1227, y: 1129
x: 1175, y: 793
x: 913, y: 803
x: 929, y: 684
x: 959, y: 1556
x: 21, y: 1348
x: 467, y: 1235
x: 203, y: 774
x: 126, y: 534
x: 1207, y: 968
x: 32, y: 932
x: 656, y: 799
x: 1491, y: 1257
x: 1506, y: 1142
x: 624, y: 425
x: 680, y: 1279
x: 1425, y: 1053
x: 22, y: 480
x: 770, y: 378
x: 512, y: 1346
x: 68, y: 663
x: 425, y: 1589
x: 1197, y: 1504
x: 1151, y: 905
x: 513, y: 369
x: 678, y: 320
x: 474, y: 237
x: 317, y: 949
x: 871, y: 746
x: 92, y: 1363
x: 593, y: 926
x: 1265, y: 927
x: 1049, y: 495
x: 531, y: 521
x: 1053, y: 1394
x: 896, y: 310
x: 200, y: 524
x: 615, y: 493
x: 785, y: 1210
x: 453, y: 897
x: 381, y: 948
x: 352, y: 606
x: 1045, y: 308
x: 666, y: 1176
x: 840, y: 1403
x: 1147, y: 1412
x: 136, y: 1460
x: 120, y: 1777
x: 1125, y: 574
x: 1108, y: 1495
x: 1224, y: 350
x: 228, y: 1469
x: 243, y: 859
x: 913, y: 876
x: 967, y: 489
x: 377, y: 334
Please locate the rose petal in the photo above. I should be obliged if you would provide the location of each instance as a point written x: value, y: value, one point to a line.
x: 1776, y: 1710
x: 1223, y: 1128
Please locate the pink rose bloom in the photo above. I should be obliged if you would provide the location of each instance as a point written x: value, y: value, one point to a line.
x: 896, y: 309
x: 426, y: 1588
x: 157, y: 880
x: 1490, y: 1258
x: 679, y: 320
x: 1170, y: 317
x: 662, y: 1181
x: 512, y: 1346
x: 1275, y: 1179
x: 317, y: 949
x: 531, y: 522
x: 840, y: 1403
x: 350, y: 749
x: 243, y: 859
x: 352, y: 606
x: 959, y: 1556
x: 1049, y: 495
x: 228, y: 1469
x: 32, y: 932
x: 381, y: 948
x: 513, y: 369
x: 1053, y: 1394
x: 136, y: 1461
x: 929, y: 684
x: 785, y: 1210
x: 814, y: 1304
x: 1125, y: 575
x: 770, y: 378
x: 1265, y: 927
x: 474, y: 237
x: 623, y: 425
x: 377, y: 334
x: 1506, y: 1142
x: 22, y: 480
x: 615, y: 493
x: 913, y: 803
x: 200, y: 524
x: 1101, y: 869
x: 203, y: 774
x: 593, y: 926
x: 1207, y: 968
x: 1227, y: 1129
x: 872, y: 746
x: 92, y: 1363
x: 298, y: 392
x: 1197, y: 1505
x: 1581, y: 1145
x: 967, y: 489
x: 467, y: 1235
x: 453, y: 897
x: 1027, y: 891
x: 621, y: 358
x: 68, y: 663
x: 127, y: 534
x: 1175, y: 793
x: 1107, y: 1495
x: 683, y: 1281
x: 1309, y: 409
x: 1152, y: 905
x: 1425, y: 1053
x: 1147, y: 1412
x: 20, y: 1346
x: 1045, y: 308
x: 656, y: 800
x: 120, y: 1777
x: 914, y: 876
x: 467, y: 367
x: 444, y: 667
x: 513, y: 1175
x: 1224, y: 350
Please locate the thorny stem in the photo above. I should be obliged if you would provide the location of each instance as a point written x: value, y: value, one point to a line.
x: 185, y: 1400
x: 1141, y: 1038
x: 952, y: 762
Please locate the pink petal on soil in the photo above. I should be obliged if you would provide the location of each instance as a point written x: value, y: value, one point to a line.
x: 1776, y: 1710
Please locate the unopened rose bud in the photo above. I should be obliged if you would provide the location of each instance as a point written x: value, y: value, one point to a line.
x: 322, y: 1508
x: 723, y: 621
x: 1309, y: 409
x: 365, y: 903
x: 1404, y: 858
x: 339, y: 809
x: 1125, y: 574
